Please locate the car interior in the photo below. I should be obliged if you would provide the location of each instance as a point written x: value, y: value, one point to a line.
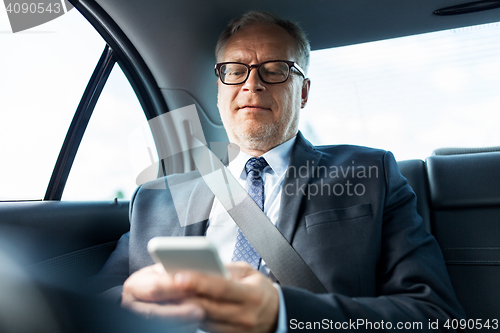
x: 166, y: 50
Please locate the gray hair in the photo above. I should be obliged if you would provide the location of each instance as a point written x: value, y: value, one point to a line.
x: 253, y: 17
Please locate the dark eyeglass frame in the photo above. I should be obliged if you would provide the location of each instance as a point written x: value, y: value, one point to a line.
x: 291, y: 64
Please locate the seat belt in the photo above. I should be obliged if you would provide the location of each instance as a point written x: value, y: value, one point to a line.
x: 281, y: 258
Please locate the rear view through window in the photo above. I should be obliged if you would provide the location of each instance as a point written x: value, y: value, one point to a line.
x: 410, y: 95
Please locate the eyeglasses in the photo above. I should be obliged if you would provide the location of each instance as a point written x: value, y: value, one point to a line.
x: 272, y: 72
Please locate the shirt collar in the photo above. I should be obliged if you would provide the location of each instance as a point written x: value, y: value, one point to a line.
x: 278, y: 159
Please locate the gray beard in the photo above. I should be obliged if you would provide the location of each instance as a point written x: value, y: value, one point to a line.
x: 264, y: 138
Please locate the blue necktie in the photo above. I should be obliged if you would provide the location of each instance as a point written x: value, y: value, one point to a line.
x: 243, y: 250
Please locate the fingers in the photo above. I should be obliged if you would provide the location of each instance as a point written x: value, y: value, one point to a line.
x: 239, y: 269
x: 247, y: 303
x: 150, y: 284
x: 186, y: 311
x: 210, y: 286
x: 151, y: 292
x: 253, y: 316
x: 260, y: 299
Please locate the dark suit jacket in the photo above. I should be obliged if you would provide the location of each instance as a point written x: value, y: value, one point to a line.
x: 351, y: 216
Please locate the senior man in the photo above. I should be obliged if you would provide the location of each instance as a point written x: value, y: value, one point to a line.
x: 366, y: 245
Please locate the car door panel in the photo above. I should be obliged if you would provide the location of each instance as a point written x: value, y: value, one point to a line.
x: 67, y: 239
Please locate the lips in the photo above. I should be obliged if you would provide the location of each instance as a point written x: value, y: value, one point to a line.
x: 254, y: 108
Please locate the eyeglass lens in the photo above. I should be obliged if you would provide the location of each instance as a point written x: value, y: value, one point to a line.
x: 271, y: 72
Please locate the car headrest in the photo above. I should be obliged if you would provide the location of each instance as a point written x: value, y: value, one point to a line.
x: 466, y: 180
x: 460, y: 151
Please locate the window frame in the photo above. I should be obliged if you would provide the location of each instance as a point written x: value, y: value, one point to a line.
x: 119, y: 50
x: 79, y: 124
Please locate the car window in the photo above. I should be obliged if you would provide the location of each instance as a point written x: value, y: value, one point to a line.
x: 410, y: 95
x: 116, y: 147
x: 43, y: 74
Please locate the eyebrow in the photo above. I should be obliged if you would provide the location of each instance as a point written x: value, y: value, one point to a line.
x: 243, y: 62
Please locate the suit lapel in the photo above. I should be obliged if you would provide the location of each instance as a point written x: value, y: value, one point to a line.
x: 198, y: 209
x: 304, y: 158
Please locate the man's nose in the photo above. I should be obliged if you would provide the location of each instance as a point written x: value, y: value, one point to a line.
x: 254, y: 82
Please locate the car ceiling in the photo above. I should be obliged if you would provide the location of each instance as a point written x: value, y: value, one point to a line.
x: 176, y: 38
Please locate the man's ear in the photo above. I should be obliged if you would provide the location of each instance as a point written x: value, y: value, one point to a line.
x: 306, y: 85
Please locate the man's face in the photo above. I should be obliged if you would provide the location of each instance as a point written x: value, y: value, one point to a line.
x: 259, y: 116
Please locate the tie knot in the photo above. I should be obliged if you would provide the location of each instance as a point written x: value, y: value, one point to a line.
x: 255, y: 164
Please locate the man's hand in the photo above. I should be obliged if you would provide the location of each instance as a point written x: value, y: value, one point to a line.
x: 151, y: 292
x: 248, y: 302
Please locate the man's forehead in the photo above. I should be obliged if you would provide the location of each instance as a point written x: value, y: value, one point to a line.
x: 257, y: 31
x: 246, y: 55
x: 263, y: 40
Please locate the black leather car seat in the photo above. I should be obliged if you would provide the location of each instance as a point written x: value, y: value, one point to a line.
x: 458, y: 197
